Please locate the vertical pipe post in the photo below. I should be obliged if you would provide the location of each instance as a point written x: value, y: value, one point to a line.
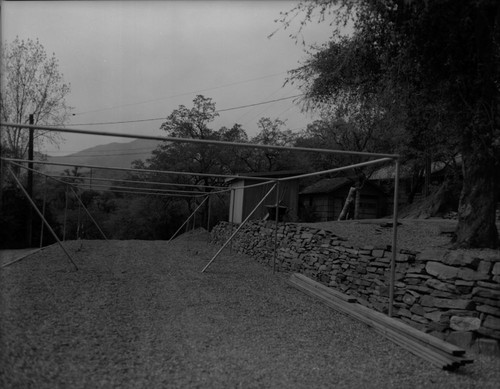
x: 78, y: 224
x: 43, y: 211
x: 394, y: 237
x: 194, y: 219
x: 65, y: 212
x: 275, y: 252
x: 187, y: 221
x: 208, y: 217
x: 233, y: 197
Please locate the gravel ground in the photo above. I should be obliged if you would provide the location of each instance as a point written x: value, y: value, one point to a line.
x: 141, y: 314
x: 413, y: 234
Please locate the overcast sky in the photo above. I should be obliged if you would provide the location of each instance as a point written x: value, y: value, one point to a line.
x: 133, y: 60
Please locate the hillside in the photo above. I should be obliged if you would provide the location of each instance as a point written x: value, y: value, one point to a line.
x: 109, y: 155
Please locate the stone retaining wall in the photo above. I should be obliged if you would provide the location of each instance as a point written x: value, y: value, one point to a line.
x: 454, y: 295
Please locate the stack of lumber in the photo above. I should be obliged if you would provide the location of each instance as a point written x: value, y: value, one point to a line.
x: 441, y: 353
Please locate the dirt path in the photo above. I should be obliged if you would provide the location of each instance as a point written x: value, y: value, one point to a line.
x: 141, y: 314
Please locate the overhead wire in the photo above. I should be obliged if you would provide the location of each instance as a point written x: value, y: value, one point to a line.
x: 163, y: 118
x: 181, y: 94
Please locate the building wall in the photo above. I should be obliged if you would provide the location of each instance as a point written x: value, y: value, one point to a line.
x: 328, y: 206
x: 236, y: 203
x: 288, y: 194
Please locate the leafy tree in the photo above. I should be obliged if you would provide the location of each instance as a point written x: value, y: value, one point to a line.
x: 432, y: 69
x: 31, y: 84
x: 189, y: 123
x: 272, y: 132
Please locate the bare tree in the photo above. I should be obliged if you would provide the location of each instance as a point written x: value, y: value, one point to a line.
x: 31, y: 85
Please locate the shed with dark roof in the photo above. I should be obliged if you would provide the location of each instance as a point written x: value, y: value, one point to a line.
x: 324, y: 200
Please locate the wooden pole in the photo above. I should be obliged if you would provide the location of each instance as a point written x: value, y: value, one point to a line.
x: 394, y: 237
x: 30, y: 181
x: 347, y: 204
x: 44, y: 220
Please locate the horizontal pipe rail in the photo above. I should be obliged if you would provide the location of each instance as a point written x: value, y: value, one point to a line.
x: 337, y: 169
x: 85, y: 186
x: 199, y: 141
x: 136, y: 170
x: 87, y: 178
x: 76, y: 185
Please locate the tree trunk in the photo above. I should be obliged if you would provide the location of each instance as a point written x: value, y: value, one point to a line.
x: 481, y: 164
x: 428, y: 172
x: 476, y: 212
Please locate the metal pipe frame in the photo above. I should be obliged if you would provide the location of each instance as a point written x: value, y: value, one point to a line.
x: 88, y: 213
x: 208, y: 217
x: 239, y: 228
x: 382, y: 158
x: 199, y: 141
x: 138, y: 192
x: 43, y: 211
x: 394, y: 238
x: 233, y: 197
x: 43, y: 218
x: 76, y: 185
x: 85, y: 178
x: 83, y: 186
x: 187, y: 220
x: 275, y: 252
x: 338, y: 169
x: 65, y: 212
x: 137, y: 170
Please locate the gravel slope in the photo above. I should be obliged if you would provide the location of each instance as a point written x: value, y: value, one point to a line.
x: 141, y: 314
x: 413, y: 234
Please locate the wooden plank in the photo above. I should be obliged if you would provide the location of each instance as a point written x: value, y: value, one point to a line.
x: 424, y: 350
x: 320, y: 286
x: 411, y: 331
x: 413, y: 347
x: 403, y: 327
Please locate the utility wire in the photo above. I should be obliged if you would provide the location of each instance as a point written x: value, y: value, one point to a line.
x: 180, y: 94
x: 163, y: 118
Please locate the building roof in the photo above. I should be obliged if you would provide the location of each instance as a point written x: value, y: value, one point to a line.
x: 327, y: 185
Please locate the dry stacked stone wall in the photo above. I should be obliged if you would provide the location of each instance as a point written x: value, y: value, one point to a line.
x: 452, y: 294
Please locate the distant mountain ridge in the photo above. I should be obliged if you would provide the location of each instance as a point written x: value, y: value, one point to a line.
x: 108, y: 155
